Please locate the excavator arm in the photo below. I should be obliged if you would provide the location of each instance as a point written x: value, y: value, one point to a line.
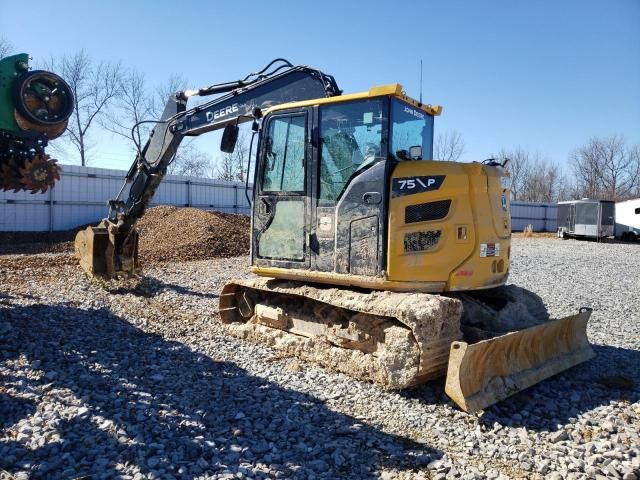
x: 111, y: 247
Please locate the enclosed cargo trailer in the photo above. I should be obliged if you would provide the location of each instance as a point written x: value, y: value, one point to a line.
x: 586, y: 218
x: 628, y: 220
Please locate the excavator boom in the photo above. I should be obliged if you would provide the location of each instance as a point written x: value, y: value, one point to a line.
x: 111, y: 248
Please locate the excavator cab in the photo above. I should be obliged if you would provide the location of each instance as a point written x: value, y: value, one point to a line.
x: 346, y: 193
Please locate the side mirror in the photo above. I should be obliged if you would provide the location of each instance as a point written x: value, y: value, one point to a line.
x: 415, y: 152
x: 229, y: 138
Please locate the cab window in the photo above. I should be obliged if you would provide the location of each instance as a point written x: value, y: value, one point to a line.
x: 410, y: 127
x: 350, y: 141
x: 284, y: 169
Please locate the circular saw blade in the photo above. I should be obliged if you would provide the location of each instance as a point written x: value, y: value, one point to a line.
x: 39, y: 173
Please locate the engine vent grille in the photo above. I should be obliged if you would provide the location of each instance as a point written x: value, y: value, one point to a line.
x: 424, y: 212
x: 421, y: 241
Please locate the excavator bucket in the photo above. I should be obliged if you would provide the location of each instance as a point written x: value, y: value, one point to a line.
x: 481, y: 374
x: 106, y: 253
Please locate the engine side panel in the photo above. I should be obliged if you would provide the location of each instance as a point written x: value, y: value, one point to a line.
x: 449, y: 222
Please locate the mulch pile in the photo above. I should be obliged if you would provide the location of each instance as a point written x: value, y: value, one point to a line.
x: 178, y: 234
x: 38, y: 242
x: 40, y: 263
x: 167, y: 234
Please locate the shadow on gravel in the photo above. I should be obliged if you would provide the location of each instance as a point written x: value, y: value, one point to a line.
x: 150, y: 287
x: 12, y: 409
x: 612, y: 375
x: 169, y: 410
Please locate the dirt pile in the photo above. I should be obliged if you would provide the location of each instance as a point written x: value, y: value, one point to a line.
x: 166, y: 234
x: 38, y: 264
x: 179, y: 234
x: 38, y: 242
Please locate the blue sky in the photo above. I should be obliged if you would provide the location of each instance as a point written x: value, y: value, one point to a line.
x: 544, y: 75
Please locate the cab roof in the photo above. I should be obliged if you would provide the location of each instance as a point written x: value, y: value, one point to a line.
x: 389, y: 90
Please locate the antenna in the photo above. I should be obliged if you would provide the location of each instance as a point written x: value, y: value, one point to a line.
x: 420, y: 80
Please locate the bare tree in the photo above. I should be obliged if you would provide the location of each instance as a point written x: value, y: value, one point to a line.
x: 634, y: 152
x: 131, y: 105
x: 5, y: 47
x: 565, y: 189
x: 543, y: 182
x: 607, y: 168
x: 94, y: 88
x: 518, y: 166
x: 190, y: 161
x: 175, y: 83
x: 225, y: 168
x: 448, y: 146
x: 533, y: 179
x: 585, y: 169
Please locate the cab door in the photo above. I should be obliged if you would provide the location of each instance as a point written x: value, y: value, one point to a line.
x: 281, y: 201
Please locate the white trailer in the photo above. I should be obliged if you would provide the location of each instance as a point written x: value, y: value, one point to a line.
x: 628, y: 220
x: 586, y: 218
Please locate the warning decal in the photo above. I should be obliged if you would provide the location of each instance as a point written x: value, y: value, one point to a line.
x: 489, y: 249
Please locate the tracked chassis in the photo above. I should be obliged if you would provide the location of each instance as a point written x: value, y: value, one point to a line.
x: 398, y: 340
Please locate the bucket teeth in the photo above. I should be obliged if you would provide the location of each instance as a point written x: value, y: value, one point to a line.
x: 107, y: 253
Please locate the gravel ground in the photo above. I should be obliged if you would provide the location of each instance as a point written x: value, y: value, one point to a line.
x: 110, y: 381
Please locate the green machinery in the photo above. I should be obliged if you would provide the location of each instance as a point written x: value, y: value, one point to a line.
x: 35, y: 106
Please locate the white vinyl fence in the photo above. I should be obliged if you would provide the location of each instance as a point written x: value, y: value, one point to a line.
x: 80, y: 197
x: 542, y: 216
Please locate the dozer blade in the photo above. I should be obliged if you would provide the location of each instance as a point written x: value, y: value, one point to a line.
x: 105, y: 252
x: 483, y: 373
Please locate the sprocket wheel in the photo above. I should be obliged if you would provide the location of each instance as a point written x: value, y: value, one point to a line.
x: 39, y: 173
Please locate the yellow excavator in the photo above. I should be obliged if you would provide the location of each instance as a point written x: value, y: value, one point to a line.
x: 371, y: 258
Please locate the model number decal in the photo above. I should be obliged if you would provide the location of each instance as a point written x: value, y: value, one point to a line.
x: 411, y: 185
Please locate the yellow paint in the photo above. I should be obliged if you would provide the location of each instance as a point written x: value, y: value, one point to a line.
x: 454, y: 264
x: 346, y: 280
x: 528, y: 356
x: 392, y: 90
x: 476, y: 204
x: 476, y: 217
